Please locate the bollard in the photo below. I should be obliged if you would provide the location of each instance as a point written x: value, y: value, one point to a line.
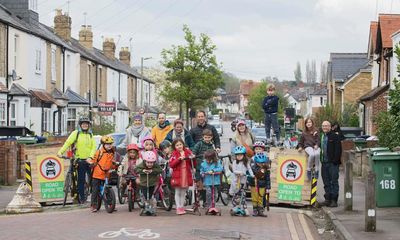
x: 370, y: 203
x: 348, y: 186
x: 28, y: 175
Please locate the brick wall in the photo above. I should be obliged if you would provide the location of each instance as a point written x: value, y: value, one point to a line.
x: 357, y: 87
x: 8, y: 162
x: 379, y: 105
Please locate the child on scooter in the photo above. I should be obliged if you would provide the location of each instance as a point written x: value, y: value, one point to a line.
x: 211, y: 168
x: 198, y: 150
x: 181, y: 179
x: 102, y: 162
x: 260, y: 184
x: 149, y: 172
x: 128, y: 164
x: 240, y: 168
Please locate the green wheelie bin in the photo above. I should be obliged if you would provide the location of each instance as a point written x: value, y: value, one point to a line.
x: 386, y: 166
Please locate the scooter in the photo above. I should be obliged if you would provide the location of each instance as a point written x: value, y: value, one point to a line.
x: 148, y: 209
x: 213, y: 210
x: 239, y: 201
x: 196, y: 205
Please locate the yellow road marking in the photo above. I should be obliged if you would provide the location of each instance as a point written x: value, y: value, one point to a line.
x: 306, y: 229
x: 292, y: 228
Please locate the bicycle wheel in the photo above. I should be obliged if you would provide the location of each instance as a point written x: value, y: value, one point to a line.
x: 167, y: 198
x: 98, y: 202
x: 224, y: 196
x: 121, y: 198
x: 109, y: 199
x: 131, y: 200
x: 67, y: 186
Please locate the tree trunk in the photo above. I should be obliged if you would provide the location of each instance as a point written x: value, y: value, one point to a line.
x: 180, y: 110
x: 188, y: 105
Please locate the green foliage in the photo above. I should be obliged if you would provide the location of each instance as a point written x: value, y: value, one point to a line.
x: 297, y: 72
x: 255, y: 103
x: 388, y: 130
x: 350, y: 116
x: 330, y: 113
x: 192, y: 70
x: 101, y: 125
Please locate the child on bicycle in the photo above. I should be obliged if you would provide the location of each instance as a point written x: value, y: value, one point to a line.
x: 198, y: 150
x: 128, y: 164
x: 102, y: 162
x: 211, y: 169
x: 240, y: 169
x: 149, y: 172
x: 260, y: 184
x: 181, y: 179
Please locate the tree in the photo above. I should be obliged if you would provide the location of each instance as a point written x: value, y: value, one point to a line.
x: 255, y: 102
x: 323, y: 72
x: 311, y: 72
x: 297, y: 72
x: 192, y: 71
x: 231, y: 83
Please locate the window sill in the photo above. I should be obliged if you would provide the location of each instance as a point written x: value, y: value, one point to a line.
x: 38, y: 72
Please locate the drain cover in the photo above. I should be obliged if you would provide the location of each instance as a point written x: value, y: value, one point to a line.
x: 216, y: 233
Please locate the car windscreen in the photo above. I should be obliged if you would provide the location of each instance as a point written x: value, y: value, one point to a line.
x: 258, y: 131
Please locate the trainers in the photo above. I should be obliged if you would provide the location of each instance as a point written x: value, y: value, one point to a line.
x: 333, y: 204
x: 93, y: 209
x: 261, y: 213
x: 180, y: 211
x: 255, y: 212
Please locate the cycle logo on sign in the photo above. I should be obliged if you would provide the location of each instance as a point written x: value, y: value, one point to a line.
x: 50, y: 168
x: 291, y: 170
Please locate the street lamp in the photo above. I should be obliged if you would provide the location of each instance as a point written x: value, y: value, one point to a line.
x: 141, y: 72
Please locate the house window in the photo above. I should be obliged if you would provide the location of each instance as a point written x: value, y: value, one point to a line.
x: 15, y: 51
x: 38, y: 61
x: 33, y: 4
x: 3, y: 114
x: 71, y: 119
x: 53, y: 65
x: 321, y: 101
x: 13, y: 114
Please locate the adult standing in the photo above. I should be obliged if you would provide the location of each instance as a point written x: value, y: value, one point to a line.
x: 197, y: 131
x: 83, y: 147
x: 243, y: 137
x: 135, y: 133
x: 179, y: 131
x: 331, y: 151
x: 161, y: 129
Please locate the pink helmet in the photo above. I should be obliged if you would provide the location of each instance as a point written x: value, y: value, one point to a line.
x: 241, y: 122
x: 149, y: 156
x: 147, y: 139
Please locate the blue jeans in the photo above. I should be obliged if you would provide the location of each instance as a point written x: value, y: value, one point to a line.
x: 272, y: 118
x: 83, y: 169
x: 330, y: 177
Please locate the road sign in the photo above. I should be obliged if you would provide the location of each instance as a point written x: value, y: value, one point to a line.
x: 51, y: 176
x: 291, y: 177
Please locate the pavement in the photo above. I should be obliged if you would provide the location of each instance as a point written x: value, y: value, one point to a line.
x: 6, y: 195
x: 351, y: 224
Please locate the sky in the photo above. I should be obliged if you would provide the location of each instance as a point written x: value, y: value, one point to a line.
x: 254, y: 38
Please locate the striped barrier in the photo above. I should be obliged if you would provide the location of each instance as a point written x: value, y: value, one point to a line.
x: 313, y: 192
x: 28, y: 175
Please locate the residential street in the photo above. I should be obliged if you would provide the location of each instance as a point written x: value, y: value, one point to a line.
x: 80, y: 223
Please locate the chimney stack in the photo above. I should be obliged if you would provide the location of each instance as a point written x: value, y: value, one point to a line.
x: 125, y: 56
x: 62, y: 25
x: 86, y: 36
x: 109, y: 48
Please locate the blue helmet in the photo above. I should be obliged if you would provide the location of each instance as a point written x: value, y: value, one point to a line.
x: 260, y: 158
x: 239, y: 150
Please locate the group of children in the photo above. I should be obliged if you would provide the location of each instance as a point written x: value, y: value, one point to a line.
x: 200, y: 166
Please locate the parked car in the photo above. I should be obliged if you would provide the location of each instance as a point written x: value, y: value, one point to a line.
x: 118, y: 138
x: 259, y: 134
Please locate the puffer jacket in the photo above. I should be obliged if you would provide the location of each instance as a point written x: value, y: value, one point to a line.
x: 103, y: 163
x: 263, y: 179
x: 84, y: 142
x: 209, y: 179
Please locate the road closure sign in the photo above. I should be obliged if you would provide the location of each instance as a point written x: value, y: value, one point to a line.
x: 51, y: 176
x: 290, y: 177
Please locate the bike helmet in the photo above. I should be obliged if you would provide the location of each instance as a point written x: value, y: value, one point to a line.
x: 107, y: 139
x: 147, y: 139
x: 164, y: 144
x: 149, y: 156
x: 241, y: 122
x: 259, y: 144
x: 260, y: 158
x: 239, y: 150
x: 84, y: 120
x: 132, y: 146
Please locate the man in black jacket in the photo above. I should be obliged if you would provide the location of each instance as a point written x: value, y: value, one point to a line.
x: 331, y: 151
x: 197, y: 132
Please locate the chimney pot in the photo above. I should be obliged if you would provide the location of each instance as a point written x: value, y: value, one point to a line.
x: 62, y: 25
x: 125, y: 56
x: 109, y: 48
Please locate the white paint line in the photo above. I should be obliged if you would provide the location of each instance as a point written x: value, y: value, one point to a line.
x: 306, y: 229
x: 292, y: 228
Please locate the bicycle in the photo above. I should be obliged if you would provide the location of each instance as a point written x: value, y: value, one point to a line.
x: 223, y: 190
x: 71, y: 181
x: 107, y: 195
x: 132, y: 191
